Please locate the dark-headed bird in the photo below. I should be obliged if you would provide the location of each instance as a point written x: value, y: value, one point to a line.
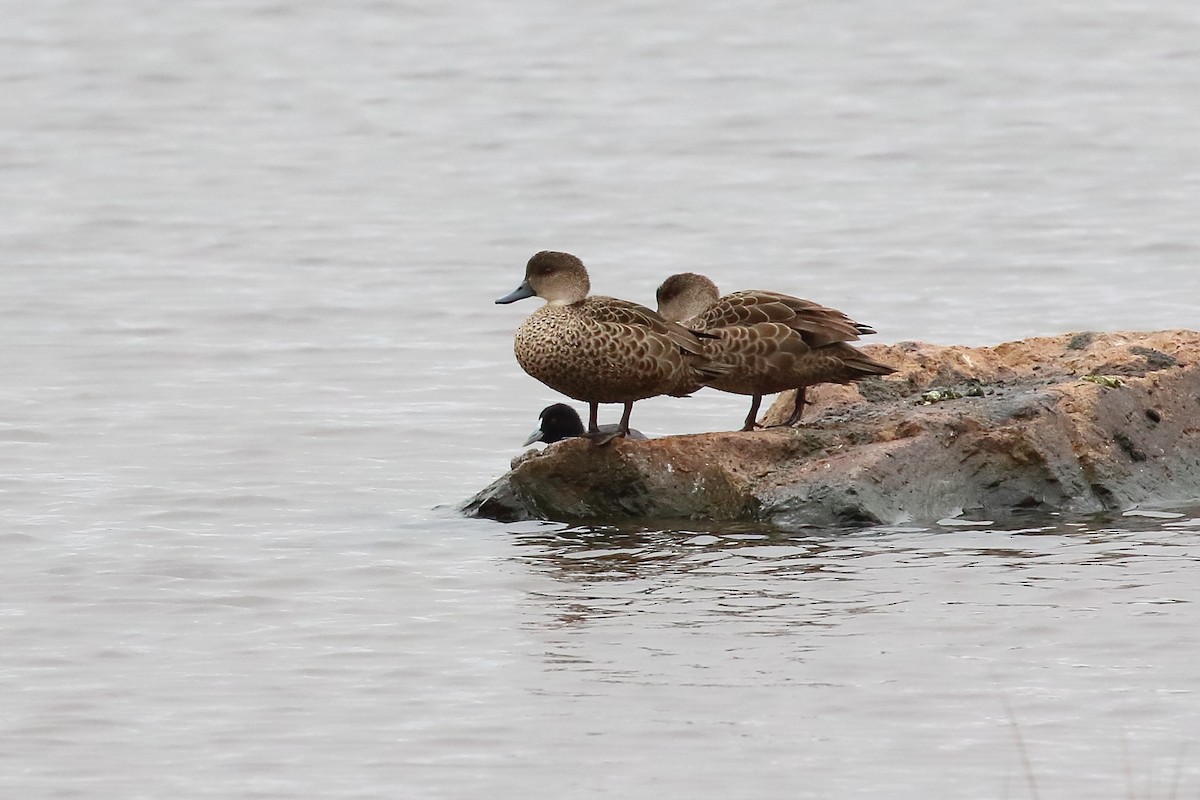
x: 560, y: 421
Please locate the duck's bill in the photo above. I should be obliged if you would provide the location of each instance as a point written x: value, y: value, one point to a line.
x: 519, y: 293
x: 536, y: 436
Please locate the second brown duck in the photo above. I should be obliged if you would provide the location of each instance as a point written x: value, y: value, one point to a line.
x: 772, y: 342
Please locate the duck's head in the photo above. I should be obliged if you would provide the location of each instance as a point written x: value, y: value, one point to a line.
x: 686, y: 295
x: 558, y: 278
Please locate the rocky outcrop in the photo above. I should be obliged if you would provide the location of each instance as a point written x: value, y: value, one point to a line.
x: 1081, y: 422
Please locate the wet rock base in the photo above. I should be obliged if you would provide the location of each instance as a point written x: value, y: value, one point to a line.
x: 1078, y: 423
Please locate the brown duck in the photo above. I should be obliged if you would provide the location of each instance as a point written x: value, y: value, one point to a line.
x: 772, y: 342
x: 601, y: 349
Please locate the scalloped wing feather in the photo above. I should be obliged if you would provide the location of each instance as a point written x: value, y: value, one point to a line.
x: 818, y: 324
x: 770, y: 357
x: 625, y: 312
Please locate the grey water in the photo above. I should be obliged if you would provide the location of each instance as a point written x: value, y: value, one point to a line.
x: 250, y: 367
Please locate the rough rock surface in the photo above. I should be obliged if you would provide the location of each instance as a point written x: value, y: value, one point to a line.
x: 1081, y: 422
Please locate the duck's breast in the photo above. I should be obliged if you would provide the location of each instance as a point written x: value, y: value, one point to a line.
x: 596, y: 361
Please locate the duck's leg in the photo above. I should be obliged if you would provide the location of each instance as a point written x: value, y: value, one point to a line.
x: 799, y: 410
x: 601, y: 439
x: 751, y: 424
x: 623, y: 428
x: 593, y: 422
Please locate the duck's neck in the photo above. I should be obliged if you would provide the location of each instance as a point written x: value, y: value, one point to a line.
x: 566, y: 301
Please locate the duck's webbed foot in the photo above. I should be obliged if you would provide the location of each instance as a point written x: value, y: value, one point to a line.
x: 752, y: 418
x: 794, y: 419
x: 602, y: 438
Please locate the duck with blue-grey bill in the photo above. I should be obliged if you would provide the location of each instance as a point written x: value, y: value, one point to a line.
x: 602, y: 349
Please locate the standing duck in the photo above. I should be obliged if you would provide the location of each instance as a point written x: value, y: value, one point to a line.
x: 772, y: 342
x: 601, y: 349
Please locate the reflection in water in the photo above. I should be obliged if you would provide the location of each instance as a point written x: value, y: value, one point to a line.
x: 772, y: 580
x: 893, y: 647
x: 697, y: 578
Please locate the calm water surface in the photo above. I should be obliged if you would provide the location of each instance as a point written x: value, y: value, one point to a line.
x: 251, y: 365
